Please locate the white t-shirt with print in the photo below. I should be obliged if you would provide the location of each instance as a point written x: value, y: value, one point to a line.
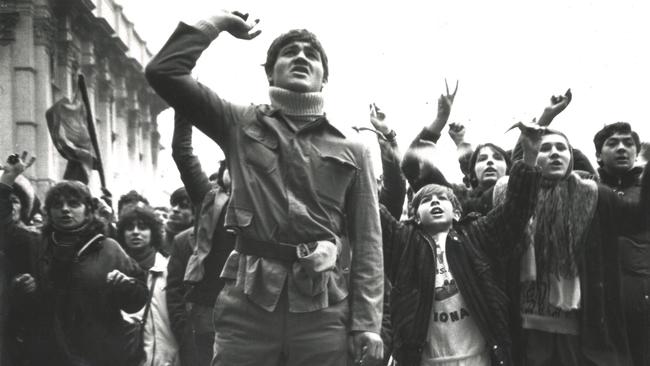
x: 453, y: 338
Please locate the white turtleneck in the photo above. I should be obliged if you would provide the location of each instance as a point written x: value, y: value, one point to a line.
x: 296, y: 104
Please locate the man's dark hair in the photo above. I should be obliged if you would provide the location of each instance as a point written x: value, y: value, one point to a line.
x: 220, y: 173
x: 294, y: 35
x: 132, y: 197
x: 178, y: 196
x: 611, y: 129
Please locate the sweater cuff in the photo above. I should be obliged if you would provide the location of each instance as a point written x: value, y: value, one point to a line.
x: 208, y: 29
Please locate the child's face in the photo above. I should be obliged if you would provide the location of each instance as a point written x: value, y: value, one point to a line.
x: 437, y: 212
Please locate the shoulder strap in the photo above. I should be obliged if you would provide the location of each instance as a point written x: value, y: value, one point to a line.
x: 148, y: 306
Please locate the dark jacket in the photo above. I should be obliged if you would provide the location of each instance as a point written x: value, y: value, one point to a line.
x: 634, y: 249
x: 601, y: 319
x: 73, y: 317
x: 471, y: 248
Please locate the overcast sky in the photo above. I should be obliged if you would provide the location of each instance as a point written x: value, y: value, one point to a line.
x: 509, y: 56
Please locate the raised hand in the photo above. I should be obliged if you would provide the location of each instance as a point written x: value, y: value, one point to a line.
x: 558, y: 104
x: 531, y: 138
x: 378, y: 119
x: 235, y: 23
x: 15, y: 166
x: 445, y: 102
x: 457, y: 133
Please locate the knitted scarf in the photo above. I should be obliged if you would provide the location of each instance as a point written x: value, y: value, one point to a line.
x: 555, y: 236
x: 296, y: 104
x: 563, y: 213
x: 145, y: 256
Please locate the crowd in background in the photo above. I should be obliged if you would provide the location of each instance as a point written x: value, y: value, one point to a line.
x: 535, y: 258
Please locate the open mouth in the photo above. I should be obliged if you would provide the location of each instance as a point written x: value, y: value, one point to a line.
x: 301, y: 69
x: 436, y: 211
x: 490, y: 171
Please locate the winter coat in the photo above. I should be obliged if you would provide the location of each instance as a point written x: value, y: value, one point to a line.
x: 410, y: 262
x: 602, y: 323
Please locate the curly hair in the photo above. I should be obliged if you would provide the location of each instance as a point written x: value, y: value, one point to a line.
x: 132, y: 197
x: 144, y: 214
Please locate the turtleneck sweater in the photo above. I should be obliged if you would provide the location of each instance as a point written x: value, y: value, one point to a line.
x: 297, y: 106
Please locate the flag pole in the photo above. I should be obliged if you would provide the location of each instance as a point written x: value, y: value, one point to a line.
x: 91, y: 130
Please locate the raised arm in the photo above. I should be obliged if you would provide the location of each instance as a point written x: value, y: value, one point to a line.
x: 393, y: 188
x: 557, y: 105
x: 502, y: 228
x: 194, y: 179
x: 463, y: 149
x: 169, y: 73
x: 431, y: 133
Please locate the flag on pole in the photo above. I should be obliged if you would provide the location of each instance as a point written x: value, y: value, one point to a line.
x: 72, y: 130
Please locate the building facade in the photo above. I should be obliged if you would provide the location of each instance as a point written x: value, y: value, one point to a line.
x: 44, y: 45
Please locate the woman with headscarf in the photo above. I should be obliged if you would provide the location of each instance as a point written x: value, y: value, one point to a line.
x: 78, y: 280
x: 565, y: 286
x: 140, y: 234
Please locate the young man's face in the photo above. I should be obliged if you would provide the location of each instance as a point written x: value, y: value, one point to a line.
x: 298, y: 68
x: 554, y: 156
x: 181, y: 213
x: 436, y: 213
x: 490, y: 166
x: 618, y: 153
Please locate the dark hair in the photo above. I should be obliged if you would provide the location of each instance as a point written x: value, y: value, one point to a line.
x: 68, y: 189
x: 294, y: 35
x: 178, y: 196
x: 145, y: 214
x: 25, y: 202
x: 419, y: 173
x: 473, y: 179
x: 611, y: 129
x: 220, y: 173
x: 132, y: 197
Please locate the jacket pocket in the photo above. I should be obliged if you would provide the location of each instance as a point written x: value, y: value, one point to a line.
x: 260, y: 149
x: 238, y: 217
x: 334, y: 174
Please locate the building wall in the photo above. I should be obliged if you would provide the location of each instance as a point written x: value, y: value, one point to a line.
x: 44, y: 44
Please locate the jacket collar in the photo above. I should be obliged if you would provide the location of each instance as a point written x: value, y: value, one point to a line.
x: 628, y: 179
x: 273, y: 112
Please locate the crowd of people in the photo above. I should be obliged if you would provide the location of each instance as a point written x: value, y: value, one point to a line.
x: 293, y: 253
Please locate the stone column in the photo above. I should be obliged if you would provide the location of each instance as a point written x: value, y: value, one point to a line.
x: 120, y: 145
x: 9, y: 17
x: 24, y: 84
x: 44, y: 33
